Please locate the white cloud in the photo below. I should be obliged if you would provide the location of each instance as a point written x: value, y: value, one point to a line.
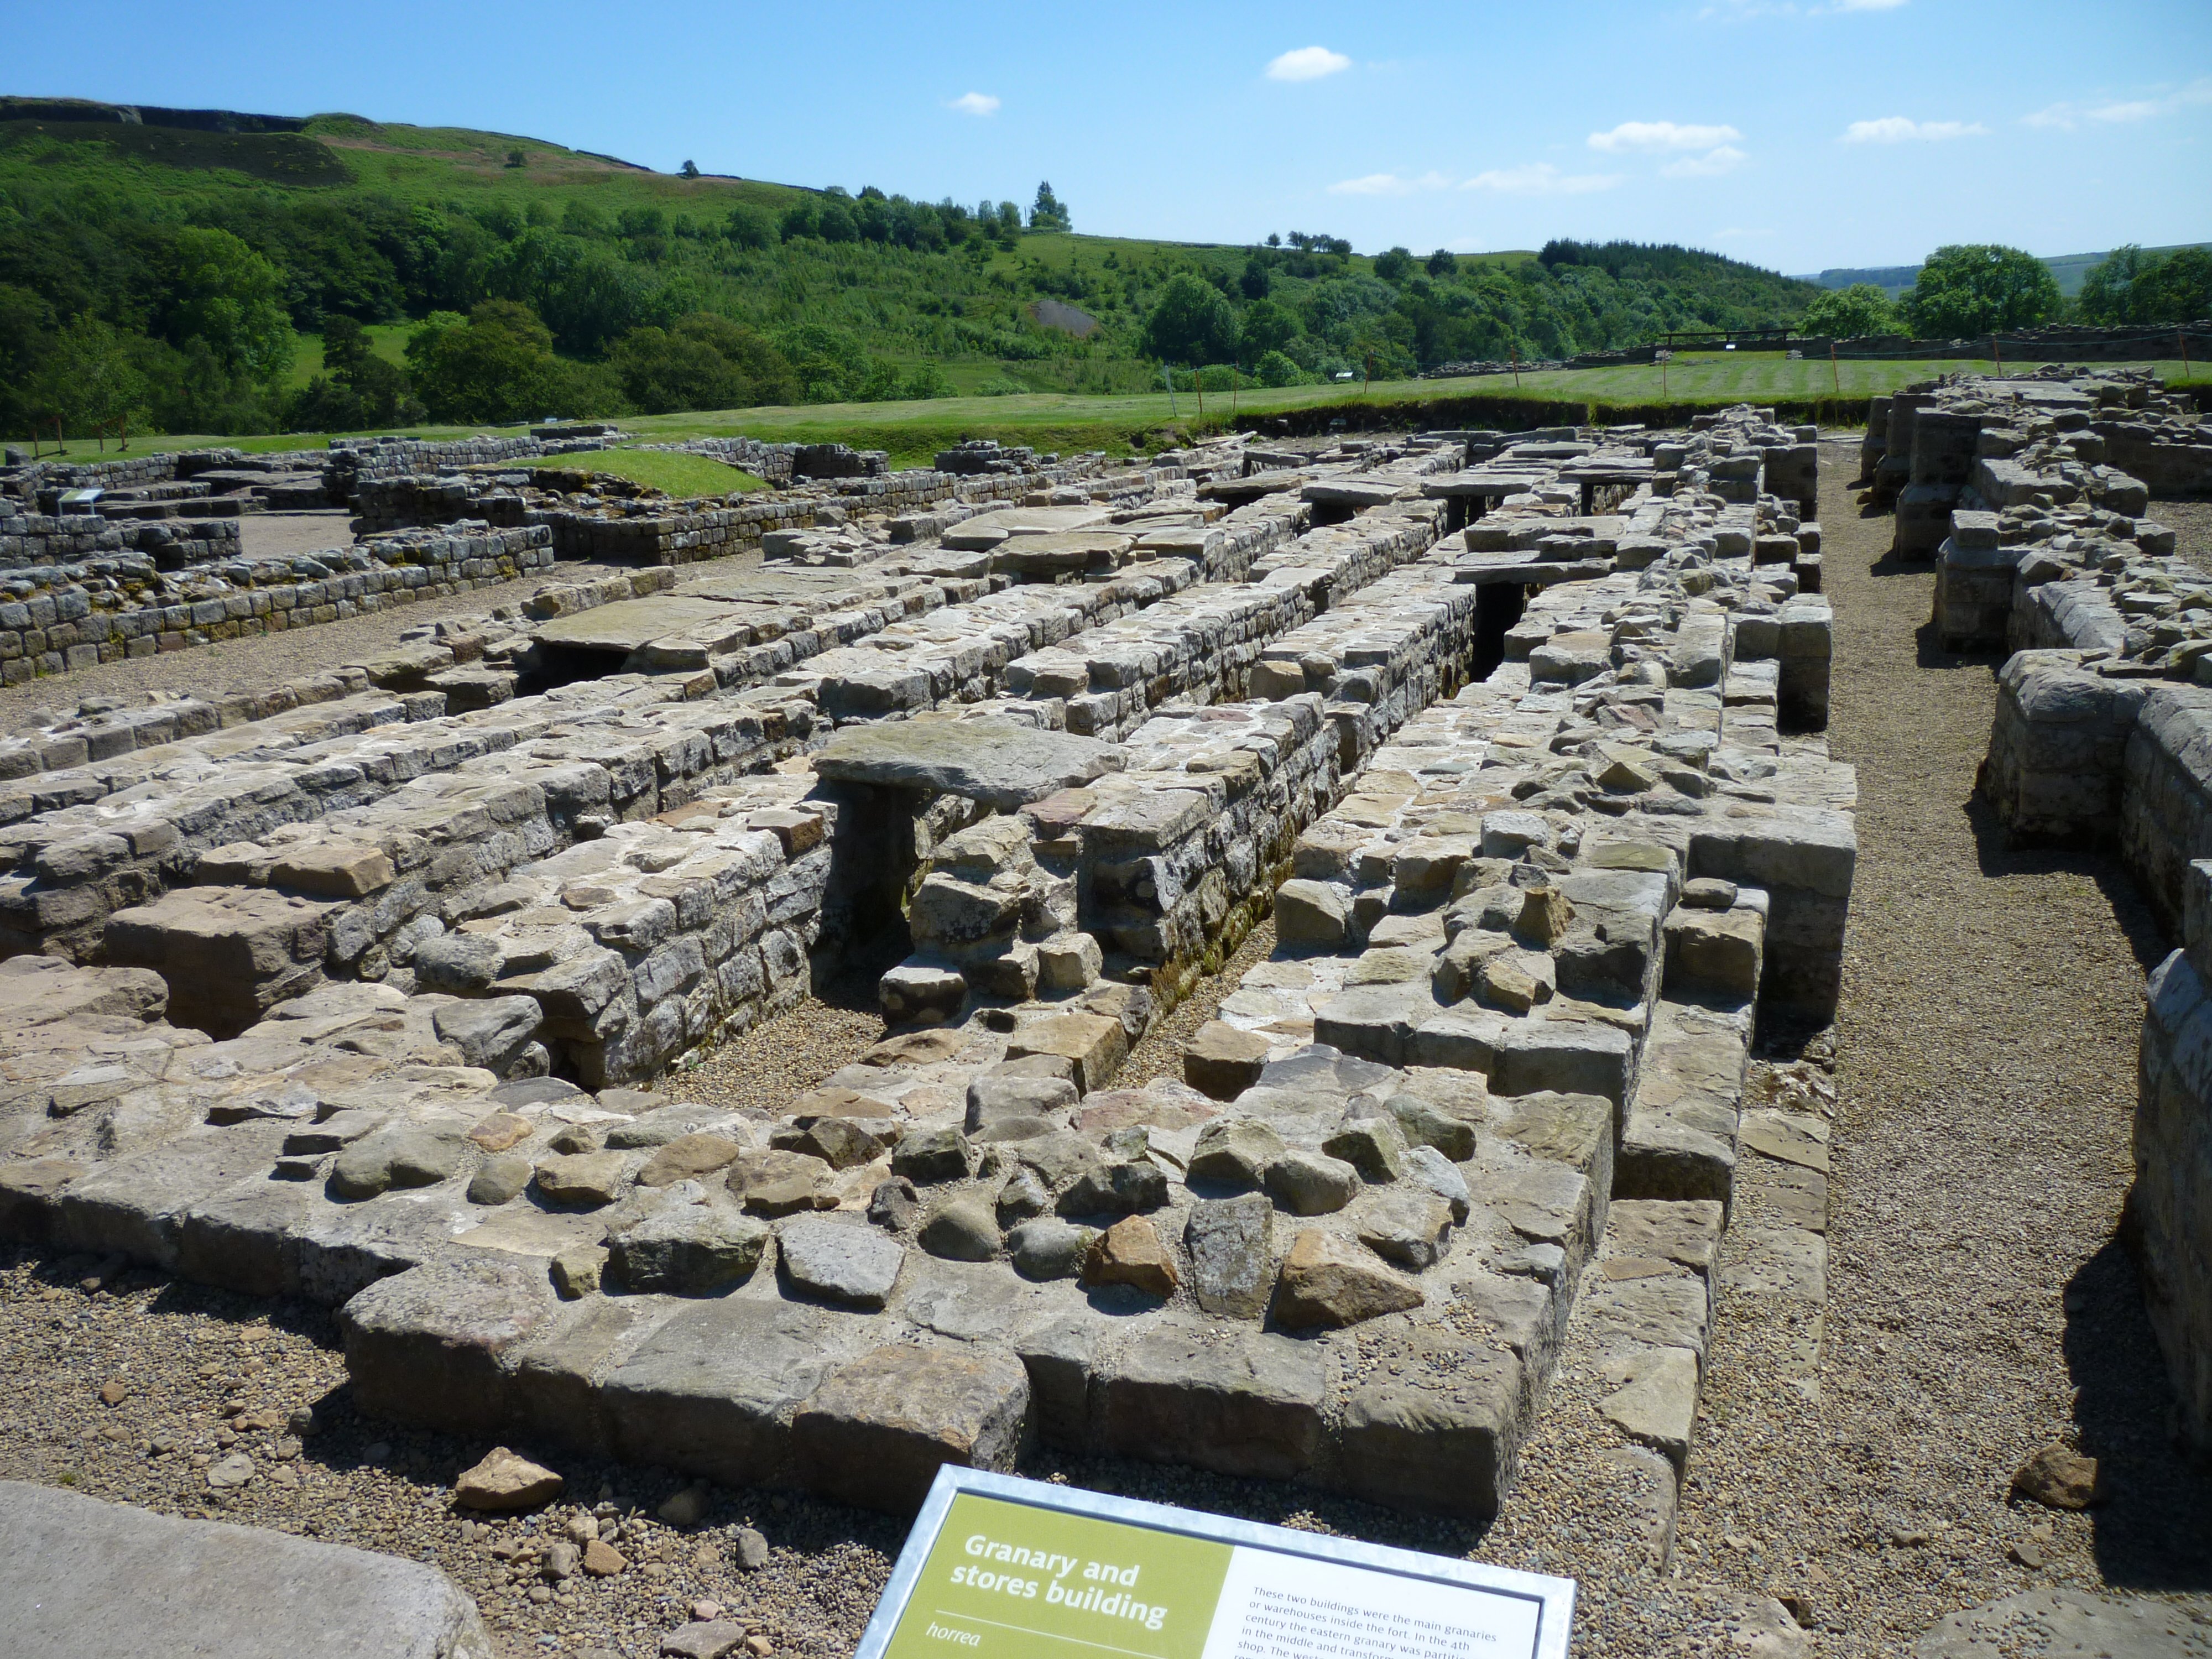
x: 1307, y: 63
x: 1898, y: 130
x: 1661, y: 135
x: 1388, y: 184
x: 1540, y: 179
x: 1726, y: 159
x: 974, y: 103
x: 2066, y: 117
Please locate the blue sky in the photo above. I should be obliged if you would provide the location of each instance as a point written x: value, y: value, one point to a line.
x: 1799, y: 134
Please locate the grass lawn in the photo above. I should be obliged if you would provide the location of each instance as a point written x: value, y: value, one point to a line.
x: 913, y: 431
x: 679, y: 475
x: 387, y: 340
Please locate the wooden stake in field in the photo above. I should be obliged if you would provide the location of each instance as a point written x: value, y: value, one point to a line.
x: 1517, y: 368
x: 1996, y: 351
x: 2181, y: 339
x: 1835, y: 372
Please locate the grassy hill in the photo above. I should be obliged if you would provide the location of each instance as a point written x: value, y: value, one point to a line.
x: 182, y: 270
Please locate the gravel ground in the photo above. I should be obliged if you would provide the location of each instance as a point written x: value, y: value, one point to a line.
x: 2192, y: 529
x: 274, y: 535
x: 782, y: 1058
x: 1160, y: 1054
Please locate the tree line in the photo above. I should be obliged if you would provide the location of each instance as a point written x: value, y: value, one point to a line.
x: 1965, y: 290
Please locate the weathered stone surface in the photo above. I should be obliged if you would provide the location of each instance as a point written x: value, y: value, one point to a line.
x: 690, y: 1249
x: 1131, y: 1252
x: 961, y: 1230
x: 500, y: 1180
x: 71, y: 1565
x: 1093, y: 1044
x: 1654, y: 1399
x: 687, y: 1157
x: 2056, y: 1620
x: 998, y: 763
x: 844, y: 1262
x: 2060, y: 1478
x: 939, y: 1154
x: 1223, y: 1061
x: 1405, y: 1225
x: 1329, y: 1282
x: 1311, y: 914
x: 227, y: 954
x: 779, y: 1183
x: 1045, y: 1248
x: 876, y: 1430
x: 1244, y: 1403
x: 1310, y: 1183
x: 1375, y: 1147
x: 586, y: 1178
x: 401, y: 1156
x: 1235, y: 1152
x: 1230, y: 1242
x: 503, y: 1480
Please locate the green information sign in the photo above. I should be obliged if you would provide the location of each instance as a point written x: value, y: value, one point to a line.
x: 1007, y: 1580
x: 1001, y: 1568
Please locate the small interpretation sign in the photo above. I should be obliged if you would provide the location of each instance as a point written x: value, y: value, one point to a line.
x: 1001, y: 1568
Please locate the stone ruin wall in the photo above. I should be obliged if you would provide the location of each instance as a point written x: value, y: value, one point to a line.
x: 154, y: 565
x: 381, y: 996
x: 2034, y: 497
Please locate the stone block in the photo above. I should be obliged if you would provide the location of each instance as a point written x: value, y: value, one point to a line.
x: 875, y: 1431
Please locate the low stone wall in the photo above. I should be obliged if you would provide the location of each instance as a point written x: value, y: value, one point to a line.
x: 2170, y: 1206
x: 47, y: 547
x: 136, y: 613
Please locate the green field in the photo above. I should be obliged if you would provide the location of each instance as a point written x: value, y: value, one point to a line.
x: 658, y: 469
x: 387, y: 340
x: 913, y: 431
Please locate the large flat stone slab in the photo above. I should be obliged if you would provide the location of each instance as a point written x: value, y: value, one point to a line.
x: 622, y: 628
x: 78, y: 1577
x: 998, y: 763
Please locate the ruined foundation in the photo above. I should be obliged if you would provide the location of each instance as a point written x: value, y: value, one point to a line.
x: 382, y: 997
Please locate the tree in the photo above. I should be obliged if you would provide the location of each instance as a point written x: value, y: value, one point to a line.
x: 690, y: 169
x: 1274, y: 239
x: 1267, y: 327
x: 1256, y: 279
x: 1443, y: 263
x: 1275, y: 369
x: 1848, y: 312
x: 703, y: 361
x: 87, y: 381
x: 229, y: 298
x: 750, y: 227
x: 499, y: 367
x: 2130, y: 287
x: 1191, y: 323
x: 517, y: 158
x: 1049, y: 213
x: 1394, y: 264
x: 1976, y: 288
